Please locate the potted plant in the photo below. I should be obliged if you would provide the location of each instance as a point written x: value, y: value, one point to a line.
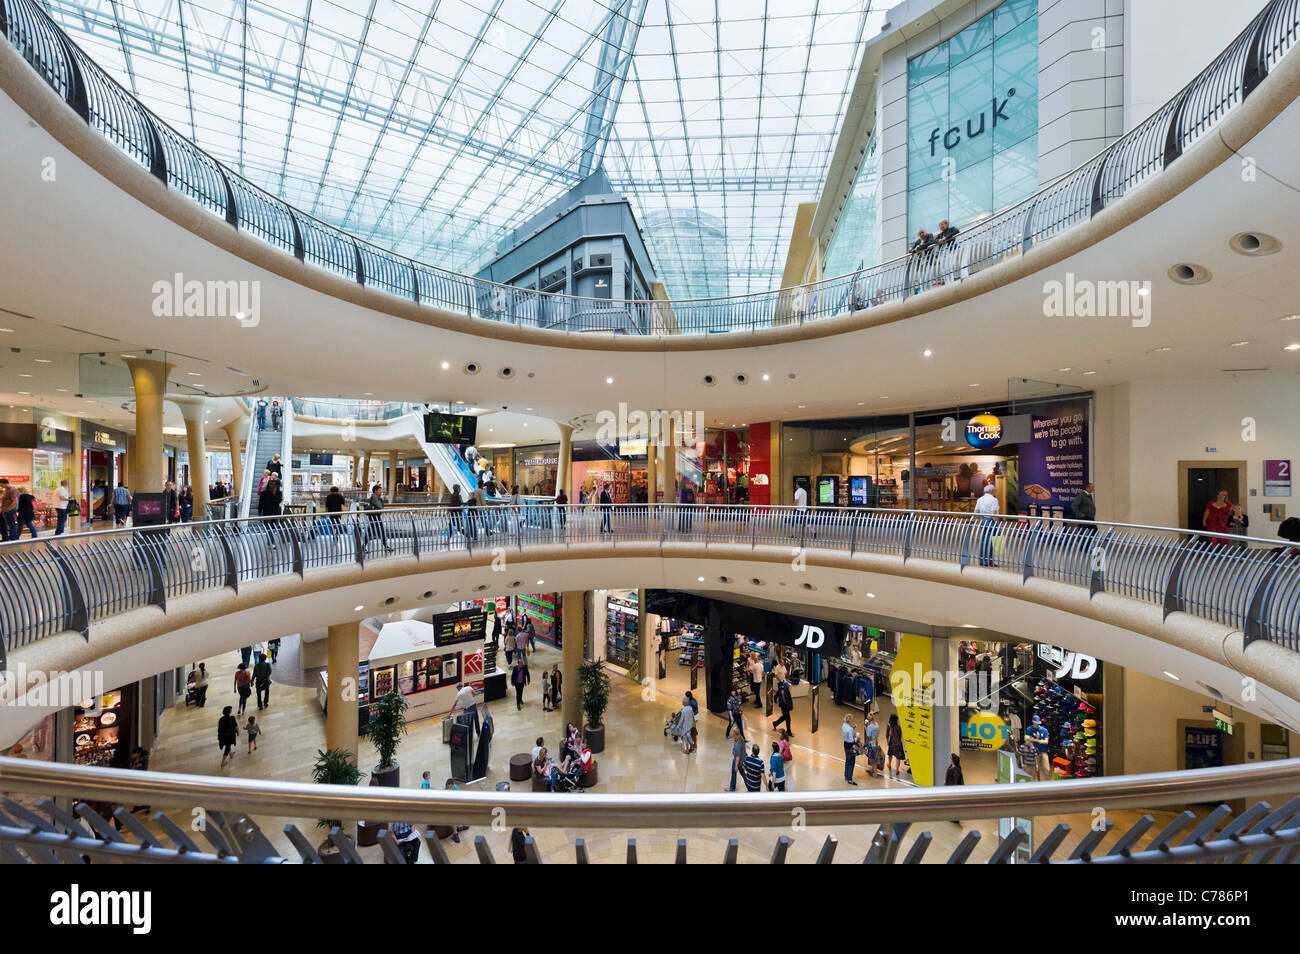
x: 385, y: 729
x: 594, y: 683
x: 333, y: 767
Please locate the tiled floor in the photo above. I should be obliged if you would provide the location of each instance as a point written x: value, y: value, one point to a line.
x: 638, y: 758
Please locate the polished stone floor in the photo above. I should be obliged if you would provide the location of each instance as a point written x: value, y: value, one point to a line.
x: 638, y: 758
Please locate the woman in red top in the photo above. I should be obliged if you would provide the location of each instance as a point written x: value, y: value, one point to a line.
x: 1217, y: 513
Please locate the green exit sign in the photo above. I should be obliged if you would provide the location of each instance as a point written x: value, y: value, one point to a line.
x: 1223, y: 722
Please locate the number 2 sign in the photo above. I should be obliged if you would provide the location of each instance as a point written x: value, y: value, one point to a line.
x: 1277, y: 478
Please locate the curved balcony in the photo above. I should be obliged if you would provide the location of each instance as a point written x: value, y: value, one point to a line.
x: 1077, y: 197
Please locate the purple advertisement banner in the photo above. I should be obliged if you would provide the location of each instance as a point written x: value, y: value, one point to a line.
x: 1054, y: 462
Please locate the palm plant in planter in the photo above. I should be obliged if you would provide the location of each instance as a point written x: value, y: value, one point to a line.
x: 333, y: 767
x: 594, y: 683
x: 385, y: 729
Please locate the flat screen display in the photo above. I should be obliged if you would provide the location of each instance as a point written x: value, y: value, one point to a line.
x: 449, y: 428
x: 828, y: 491
x: 859, y: 491
x: 322, y: 460
x: 148, y: 508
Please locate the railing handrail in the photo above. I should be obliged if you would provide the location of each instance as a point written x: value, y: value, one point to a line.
x: 1076, y: 196
x: 684, y: 810
x: 823, y: 512
x: 70, y: 583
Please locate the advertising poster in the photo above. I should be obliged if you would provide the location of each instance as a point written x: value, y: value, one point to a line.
x: 915, y: 706
x: 1054, y: 462
x: 463, y: 627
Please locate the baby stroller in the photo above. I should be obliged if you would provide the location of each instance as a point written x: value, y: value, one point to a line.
x: 670, y: 722
x: 570, y: 781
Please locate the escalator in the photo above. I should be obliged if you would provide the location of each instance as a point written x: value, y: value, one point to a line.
x: 263, y: 444
x: 450, y: 461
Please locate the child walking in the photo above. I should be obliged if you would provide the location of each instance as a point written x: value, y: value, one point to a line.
x: 252, y: 730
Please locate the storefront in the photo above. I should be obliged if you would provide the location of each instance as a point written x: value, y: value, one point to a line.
x: 1035, y: 452
x: 102, y: 453
x: 622, y: 635
x: 35, y: 459
x: 104, y: 729
x: 535, y: 470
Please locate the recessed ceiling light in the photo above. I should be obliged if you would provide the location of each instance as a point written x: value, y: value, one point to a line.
x: 1090, y: 372
x: 766, y: 377
x: 1163, y: 348
x: 28, y: 393
x: 699, y: 579
x: 860, y: 403
x: 1172, y: 676
x: 446, y: 365
x: 1283, y: 318
x: 540, y: 582
x: 24, y: 375
x: 802, y: 406
x: 525, y: 425
x: 357, y: 609
x: 61, y: 389
x: 195, y: 374
x: 368, y: 393
x: 6, y: 331
x: 128, y: 356
x: 528, y: 409
x: 44, y: 361
x: 1063, y: 370
x: 927, y: 352
x: 972, y: 385
x: 1292, y: 347
x: 1238, y: 344
x: 871, y: 596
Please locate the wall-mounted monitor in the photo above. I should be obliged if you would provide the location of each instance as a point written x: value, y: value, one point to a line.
x: 449, y: 428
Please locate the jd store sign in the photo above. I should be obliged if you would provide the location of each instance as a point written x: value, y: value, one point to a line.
x: 812, y: 637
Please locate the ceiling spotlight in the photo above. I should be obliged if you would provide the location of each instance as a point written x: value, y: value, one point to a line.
x: 357, y: 609
x: 1171, y: 675
x: 699, y: 579
x: 1238, y: 344
x: 6, y: 331
x: 540, y: 582
x: 609, y: 380
x: 1090, y: 372
x: 1283, y: 318
x: 44, y: 361
x: 766, y: 377
x: 927, y: 352
x: 1063, y: 370
x: 446, y: 365
x: 195, y: 374
x: 871, y: 596
x: 1292, y: 347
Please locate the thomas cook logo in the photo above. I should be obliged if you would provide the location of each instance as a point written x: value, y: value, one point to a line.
x: 812, y: 637
x: 952, y: 137
x: 984, y: 431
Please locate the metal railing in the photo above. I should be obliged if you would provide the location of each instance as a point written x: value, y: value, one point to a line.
x: 56, y: 584
x: 1148, y: 149
x: 326, y: 409
x: 49, y: 834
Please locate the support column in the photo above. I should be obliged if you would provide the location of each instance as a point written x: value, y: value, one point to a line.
x: 365, y: 472
x: 237, y: 432
x: 670, y: 463
x: 652, y: 467
x: 344, y: 654
x: 645, y: 657
x: 74, y: 478
x: 575, y: 628
x: 149, y: 379
x: 128, y: 459
x: 192, y: 411
x: 392, y: 476
x: 564, y: 470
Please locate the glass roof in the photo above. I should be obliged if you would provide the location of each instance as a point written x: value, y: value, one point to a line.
x: 433, y: 127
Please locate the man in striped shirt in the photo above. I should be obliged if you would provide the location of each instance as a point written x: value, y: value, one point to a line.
x: 753, y: 770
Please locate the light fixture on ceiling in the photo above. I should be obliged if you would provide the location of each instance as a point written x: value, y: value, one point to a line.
x: 1162, y: 349
x: 1063, y: 370
x: 609, y: 380
x: 1238, y: 344
x: 194, y: 374
x: 1090, y: 372
x: 927, y: 353
x: 6, y: 331
x: 699, y: 579
x: 871, y: 596
x: 1171, y: 676
x: 357, y: 609
x: 44, y: 361
x: 1292, y: 347
x: 540, y: 582
x: 972, y: 385
x: 767, y: 377
x: 1283, y: 318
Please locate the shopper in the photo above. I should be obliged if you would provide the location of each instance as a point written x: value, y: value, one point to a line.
x: 424, y: 780
x: 243, y: 685
x: 519, y: 677
x: 546, y: 691
x: 64, y: 497
x: 262, y: 681
x: 954, y: 776
x: 606, y: 509
x: 467, y: 701
x: 121, y: 504
x: 1084, y: 508
x: 518, y: 845
x: 776, y: 770
x: 201, y: 685
x: 246, y: 655
x: 510, y: 642
x: 756, y: 679
x: 227, y: 735
x: 850, y: 748
x: 26, y: 514
x: 451, y: 786
x: 787, y: 756
x: 684, y: 727
x: 407, y: 841
x: 894, y: 751
x: 987, y: 509
x: 1217, y: 514
x: 752, y: 770
x: 784, y: 702
x: 737, y: 756
x: 556, y: 697
x: 273, y: 647
x: 531, y: 633
x: 735, y: 716
x: 252, y: 730
x: 871, y: 738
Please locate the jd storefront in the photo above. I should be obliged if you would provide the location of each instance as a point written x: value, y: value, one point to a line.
x: 1035, y: 453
